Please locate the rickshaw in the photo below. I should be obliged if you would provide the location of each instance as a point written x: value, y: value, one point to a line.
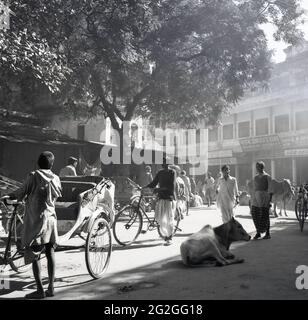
x: 85, y: 210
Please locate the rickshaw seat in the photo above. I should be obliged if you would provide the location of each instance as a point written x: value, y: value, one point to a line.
x: 72, y: 190
x: 67, y: 206
x: 67, y: 210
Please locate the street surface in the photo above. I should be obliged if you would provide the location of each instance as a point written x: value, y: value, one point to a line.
x: 149, y: 270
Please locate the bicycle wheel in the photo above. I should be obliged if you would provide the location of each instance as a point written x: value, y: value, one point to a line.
x: 15, y: 251
x: 98, y: 248
x: 127, y: 225
x: 300, y: 211
x: 177, y: 219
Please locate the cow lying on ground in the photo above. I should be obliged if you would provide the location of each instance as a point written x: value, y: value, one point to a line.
x: 213, y: 244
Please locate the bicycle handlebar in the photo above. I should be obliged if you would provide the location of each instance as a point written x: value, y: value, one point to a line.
x: 134, y: 184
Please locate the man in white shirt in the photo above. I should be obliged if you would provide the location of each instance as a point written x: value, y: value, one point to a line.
x: 70, y: 169
x: 227, y: 194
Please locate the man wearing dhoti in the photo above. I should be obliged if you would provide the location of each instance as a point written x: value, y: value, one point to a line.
x: 166, y: 204
x: 227, y: 194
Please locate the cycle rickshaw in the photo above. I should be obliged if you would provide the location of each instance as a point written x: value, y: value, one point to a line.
x: 85, y: 210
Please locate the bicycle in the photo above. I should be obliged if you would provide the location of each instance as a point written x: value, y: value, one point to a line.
x: 13, y: 225
x: 129, y: 221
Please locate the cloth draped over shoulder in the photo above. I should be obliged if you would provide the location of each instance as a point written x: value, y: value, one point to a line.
x: 187, y: 186
x: 40, y: 191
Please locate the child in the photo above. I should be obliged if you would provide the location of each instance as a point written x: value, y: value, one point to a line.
x: 41, y: 189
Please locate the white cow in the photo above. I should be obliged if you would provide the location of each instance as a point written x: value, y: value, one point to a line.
x: 213, y: 244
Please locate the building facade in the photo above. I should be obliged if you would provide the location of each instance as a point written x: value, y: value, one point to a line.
x: 269, y: 125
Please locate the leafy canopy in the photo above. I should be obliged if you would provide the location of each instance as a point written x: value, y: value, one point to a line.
x: 177, y: 60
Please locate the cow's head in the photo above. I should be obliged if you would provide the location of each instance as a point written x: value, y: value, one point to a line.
x: 237, y: 232
x: 288, y: 188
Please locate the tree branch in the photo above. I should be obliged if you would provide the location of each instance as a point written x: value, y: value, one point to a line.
x: 108, y: 108
x: 132, y: 106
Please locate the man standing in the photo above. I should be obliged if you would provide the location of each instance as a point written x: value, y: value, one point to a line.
x: 209, y: 184
x: 40, y: 191
x: 227, y: 194
x: 260, y: 202
x: 180, y: 191
x: 166, y: 203
x: 188, y: 193
x: 70, y: 169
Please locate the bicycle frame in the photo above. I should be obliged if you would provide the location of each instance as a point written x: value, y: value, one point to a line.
x: 6, y: 257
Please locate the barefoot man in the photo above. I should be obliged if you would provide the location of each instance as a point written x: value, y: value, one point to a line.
x: 227, y: 194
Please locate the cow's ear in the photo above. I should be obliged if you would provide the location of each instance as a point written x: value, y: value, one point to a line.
x: 233, y: 219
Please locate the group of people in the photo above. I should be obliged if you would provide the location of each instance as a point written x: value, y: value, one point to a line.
x: 42, y: 188
x: 227, y: 197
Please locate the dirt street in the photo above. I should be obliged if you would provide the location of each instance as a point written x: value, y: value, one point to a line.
x: 149, y: 270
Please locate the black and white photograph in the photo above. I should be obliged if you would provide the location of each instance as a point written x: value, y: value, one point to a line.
x: 154, y: 151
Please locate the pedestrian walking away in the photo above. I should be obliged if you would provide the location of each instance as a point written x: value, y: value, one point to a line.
x: 260, y: 202
x: 41, y: 189
x: 166, y: 205
x: 209, y: 185
x: 227, y: 194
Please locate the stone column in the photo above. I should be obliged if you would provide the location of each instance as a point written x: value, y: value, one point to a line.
x: 252, y: 124
x: 294, y: 171
x: 273, y: 169
x: 253, y: 163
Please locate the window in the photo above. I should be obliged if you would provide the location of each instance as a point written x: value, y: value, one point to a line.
x: 227, y: 131
x: 244, y: 129
x: 282, y: 123
x: 81, y: 132
x: 213, y: 134
x: 261, y: 127
x: 301, y: 119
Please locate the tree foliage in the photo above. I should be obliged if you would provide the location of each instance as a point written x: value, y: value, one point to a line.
x: 178, y: 60
x: 27, y: 58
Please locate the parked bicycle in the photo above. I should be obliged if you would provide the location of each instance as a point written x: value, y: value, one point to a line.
x: 12, y: 223
x: 129, y: 220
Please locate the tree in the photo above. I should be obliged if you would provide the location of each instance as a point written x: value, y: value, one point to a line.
x: 27, y: 60
x: 183, y: 60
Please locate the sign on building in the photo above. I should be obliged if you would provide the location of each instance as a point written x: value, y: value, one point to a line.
x: 296, y: 152
x: 220, y: 154
x: 268, y: 142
